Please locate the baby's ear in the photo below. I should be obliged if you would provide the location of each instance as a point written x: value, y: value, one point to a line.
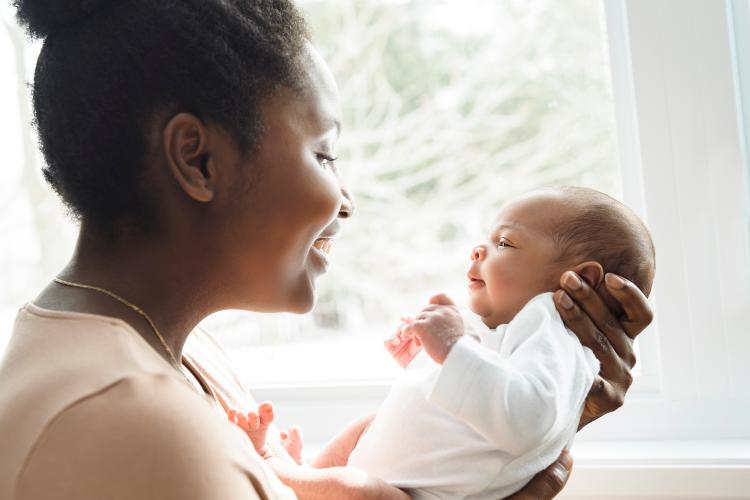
x: 592, y: 272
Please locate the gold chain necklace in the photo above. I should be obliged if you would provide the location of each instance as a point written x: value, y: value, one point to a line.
x: 133, y: 307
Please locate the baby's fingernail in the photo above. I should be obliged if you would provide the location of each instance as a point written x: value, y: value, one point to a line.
x: 565, y: 301
x: 614, y: 281
x: 572, y: 280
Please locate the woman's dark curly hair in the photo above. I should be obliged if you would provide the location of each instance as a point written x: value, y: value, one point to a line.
x: 107, y: 66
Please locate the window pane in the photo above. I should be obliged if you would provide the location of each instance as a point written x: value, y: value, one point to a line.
x: 740, y: 29
x: 450, y: 108
x: 36, y: 237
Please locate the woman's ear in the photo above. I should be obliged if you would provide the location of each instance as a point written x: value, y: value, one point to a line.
x: 187, y: 150
x: 592, y: 272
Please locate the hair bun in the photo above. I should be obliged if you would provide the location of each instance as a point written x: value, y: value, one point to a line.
x: 43, y: 17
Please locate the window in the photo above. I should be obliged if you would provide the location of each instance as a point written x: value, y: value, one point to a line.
x: 447, y: 114
x: 36, y: 236
x: 740, y: 32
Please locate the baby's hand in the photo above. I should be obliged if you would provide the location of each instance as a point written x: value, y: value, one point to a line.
x: 255, y: 425
x: 437, y: 328
x: 292, y: 442
x: 401, y: 348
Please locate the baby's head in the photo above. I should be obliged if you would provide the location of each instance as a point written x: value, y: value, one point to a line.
x: 540, y: 235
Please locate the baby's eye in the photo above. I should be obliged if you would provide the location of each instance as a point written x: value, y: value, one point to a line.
x: 504, y: 244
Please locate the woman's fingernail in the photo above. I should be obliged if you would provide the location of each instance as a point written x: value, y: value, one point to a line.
x: 560, y: 472
x: 572, y: 280
x: 566, y: 460
x: 614, y: 281
x: 565, y: 301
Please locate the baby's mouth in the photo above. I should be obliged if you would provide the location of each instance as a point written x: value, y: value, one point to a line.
x: 474, y: 280
x: 476, y: 283
x: 324, y: 245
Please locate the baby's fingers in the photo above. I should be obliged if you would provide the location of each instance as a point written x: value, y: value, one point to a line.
x: 249, y: 422
x: 295, y: 434
x: 266, y: 413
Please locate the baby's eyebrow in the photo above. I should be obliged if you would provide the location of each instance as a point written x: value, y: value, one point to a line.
x: 506, y: 225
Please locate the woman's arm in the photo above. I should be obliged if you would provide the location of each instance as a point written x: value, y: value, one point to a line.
x: 336, y: 452
x: 334, y: 483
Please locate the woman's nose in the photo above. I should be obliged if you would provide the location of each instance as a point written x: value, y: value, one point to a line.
x: 478, y: 253
x: 347, y: 204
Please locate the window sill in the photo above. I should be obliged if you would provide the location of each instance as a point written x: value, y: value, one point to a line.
x: 660, y: 469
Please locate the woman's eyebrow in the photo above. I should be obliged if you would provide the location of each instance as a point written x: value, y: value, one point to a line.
x: 331, y: 129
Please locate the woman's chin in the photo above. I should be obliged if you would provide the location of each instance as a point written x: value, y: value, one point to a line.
x: 302, y: 300
x: 301, y: 307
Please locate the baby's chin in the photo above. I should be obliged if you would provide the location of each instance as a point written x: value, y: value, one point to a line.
x: 487, y: 314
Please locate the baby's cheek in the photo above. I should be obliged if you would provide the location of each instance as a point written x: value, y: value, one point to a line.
x: 506, y: 290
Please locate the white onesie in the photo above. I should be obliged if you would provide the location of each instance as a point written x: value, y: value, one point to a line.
x: 500, y: 409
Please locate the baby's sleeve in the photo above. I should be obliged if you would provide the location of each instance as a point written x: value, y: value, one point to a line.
x: 147, y: 436
x: 532, y: 387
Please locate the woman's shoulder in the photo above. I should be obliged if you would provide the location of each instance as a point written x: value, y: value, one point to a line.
x: 87, y: 398
x: 141, y: 435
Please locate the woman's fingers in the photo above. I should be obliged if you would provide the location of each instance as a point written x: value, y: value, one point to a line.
x: 584, y: 328
x: 638, y: 312
x: 585, y: 304
x: 548, y: 483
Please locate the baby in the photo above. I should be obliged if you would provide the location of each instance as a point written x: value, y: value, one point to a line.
x: 489, y: 400
x: 478, y: 415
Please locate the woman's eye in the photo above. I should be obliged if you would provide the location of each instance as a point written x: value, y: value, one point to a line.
x: 326, y: 161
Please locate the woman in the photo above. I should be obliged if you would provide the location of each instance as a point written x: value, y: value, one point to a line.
x: 194, y: 140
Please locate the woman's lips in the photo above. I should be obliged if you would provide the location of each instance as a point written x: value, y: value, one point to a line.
x: 324, y: 245
x: 319, y: 252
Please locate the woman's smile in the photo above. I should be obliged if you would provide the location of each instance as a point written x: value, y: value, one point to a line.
x: 322, y: 246
x: 320, y: 251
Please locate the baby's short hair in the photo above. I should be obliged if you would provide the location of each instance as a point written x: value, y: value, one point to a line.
x: 608, y: 232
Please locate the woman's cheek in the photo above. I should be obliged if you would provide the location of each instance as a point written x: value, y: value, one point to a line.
x: 329, y: 198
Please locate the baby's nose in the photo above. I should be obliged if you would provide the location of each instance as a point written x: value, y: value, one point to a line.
x: 478, y: 253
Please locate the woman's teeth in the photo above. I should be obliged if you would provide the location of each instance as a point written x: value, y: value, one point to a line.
x: 324, y: 245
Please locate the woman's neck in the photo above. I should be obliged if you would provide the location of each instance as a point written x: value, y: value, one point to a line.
x: 158, y: 277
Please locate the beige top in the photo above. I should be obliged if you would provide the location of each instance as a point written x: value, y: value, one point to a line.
x: 88, y: 410
x: 208, y: 361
